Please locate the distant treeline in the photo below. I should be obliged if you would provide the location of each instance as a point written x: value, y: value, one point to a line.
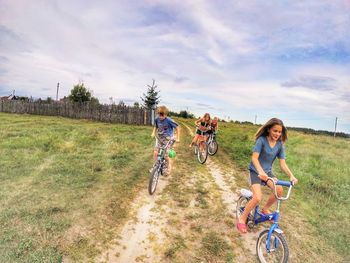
x: 304, y: 130
x: 320, y: 132
x: 182, y: 114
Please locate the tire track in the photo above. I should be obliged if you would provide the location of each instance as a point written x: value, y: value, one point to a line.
x: 229, y: 199
x: 141, y: 235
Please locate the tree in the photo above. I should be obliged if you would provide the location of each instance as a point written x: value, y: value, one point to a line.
x: 136, y: 104
x: 22, y: 98
x: 121, y: 103
x: 94, y: 101
x: 81, y: 94
x: 183, y: 114
x: 152, y: 98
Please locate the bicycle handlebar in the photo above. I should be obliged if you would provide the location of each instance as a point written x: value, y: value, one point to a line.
x: 282, y: 183
x: 208, y: 128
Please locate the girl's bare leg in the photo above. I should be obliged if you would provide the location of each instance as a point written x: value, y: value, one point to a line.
x: 272, y: 199
x: 194, y: 141
x: 257, y: 195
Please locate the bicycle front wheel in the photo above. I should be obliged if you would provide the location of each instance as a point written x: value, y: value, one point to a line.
x: 278, y: 253
x: 153, y: 180
x: 202, y: 153
x: 213, y: 147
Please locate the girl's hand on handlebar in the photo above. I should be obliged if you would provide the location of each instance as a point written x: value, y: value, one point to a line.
x: 263, y: 177
x: 294, y: 180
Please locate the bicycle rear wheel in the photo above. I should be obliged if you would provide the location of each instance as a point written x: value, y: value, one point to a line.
x: 153, y: 180
x: 213, y: 147
x: 202, y: 153
x: 278, y: 253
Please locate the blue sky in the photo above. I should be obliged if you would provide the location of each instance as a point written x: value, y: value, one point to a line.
x: 234, y: 59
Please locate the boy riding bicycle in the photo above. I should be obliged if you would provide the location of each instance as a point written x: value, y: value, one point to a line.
x: 164, y: 128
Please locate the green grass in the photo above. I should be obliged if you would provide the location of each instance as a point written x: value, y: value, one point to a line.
x: 66, y: 184
x: 321, y: 163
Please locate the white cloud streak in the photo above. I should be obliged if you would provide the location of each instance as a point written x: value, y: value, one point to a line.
x: 233, y: 56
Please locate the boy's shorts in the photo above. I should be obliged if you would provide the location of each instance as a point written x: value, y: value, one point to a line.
x: 162, y: 141
x: 253, y: 178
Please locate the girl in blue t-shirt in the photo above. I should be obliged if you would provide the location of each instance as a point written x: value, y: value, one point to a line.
x: 269, y: 142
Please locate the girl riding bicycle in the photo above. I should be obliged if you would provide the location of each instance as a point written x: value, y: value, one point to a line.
x: 202, y: 125
x: 164, y: 127
x: 269, y: 141
x: 214, y: 126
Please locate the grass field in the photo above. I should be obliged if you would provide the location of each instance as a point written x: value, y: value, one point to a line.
x: 321, y: 163
x: 66, y: 184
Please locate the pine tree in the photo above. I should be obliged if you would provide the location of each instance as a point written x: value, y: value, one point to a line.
x: 152, y: 98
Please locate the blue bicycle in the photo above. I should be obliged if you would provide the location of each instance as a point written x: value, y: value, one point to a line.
x: 271, y: 245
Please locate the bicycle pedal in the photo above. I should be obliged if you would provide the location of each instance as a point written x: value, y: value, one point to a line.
x: 251, y: 225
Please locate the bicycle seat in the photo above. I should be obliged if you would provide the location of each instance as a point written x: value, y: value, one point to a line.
x: 246, y: 193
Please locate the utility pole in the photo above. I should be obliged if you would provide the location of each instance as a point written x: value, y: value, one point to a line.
x: 335, y: 126
x: 58, y: 87
x: 255, y: 119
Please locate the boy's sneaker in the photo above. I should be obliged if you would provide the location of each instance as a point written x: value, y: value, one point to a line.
x: 166, y: 172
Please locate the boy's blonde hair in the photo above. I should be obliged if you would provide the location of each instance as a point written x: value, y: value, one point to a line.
x: 162, y: 109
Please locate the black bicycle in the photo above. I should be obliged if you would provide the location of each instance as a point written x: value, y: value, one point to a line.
x: 159, y: 166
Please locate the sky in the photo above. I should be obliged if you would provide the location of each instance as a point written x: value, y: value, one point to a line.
x: 238, y: 60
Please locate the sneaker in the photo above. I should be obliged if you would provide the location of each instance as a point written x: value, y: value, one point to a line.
x: 166, y: 172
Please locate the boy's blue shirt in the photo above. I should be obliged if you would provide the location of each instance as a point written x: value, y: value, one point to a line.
x: 165, y: 127
x: 267, y: 155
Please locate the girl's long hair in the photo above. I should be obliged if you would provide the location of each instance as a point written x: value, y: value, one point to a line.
x: 264, y: 130
x: 206, y: 115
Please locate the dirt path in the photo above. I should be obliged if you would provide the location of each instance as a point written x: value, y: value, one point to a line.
x: 140, y: 234
x: 229, y: 198
x: 175, y: 224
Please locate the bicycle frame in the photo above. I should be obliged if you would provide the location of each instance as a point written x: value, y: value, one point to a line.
x: 211, y: 138
x: 260, y: 217
x: 161, y: 151
x: 201, y: 138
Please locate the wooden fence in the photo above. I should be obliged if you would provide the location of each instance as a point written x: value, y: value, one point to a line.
x: 103, y: 113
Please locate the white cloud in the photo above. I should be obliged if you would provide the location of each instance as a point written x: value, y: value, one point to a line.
x: 231, y: 55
